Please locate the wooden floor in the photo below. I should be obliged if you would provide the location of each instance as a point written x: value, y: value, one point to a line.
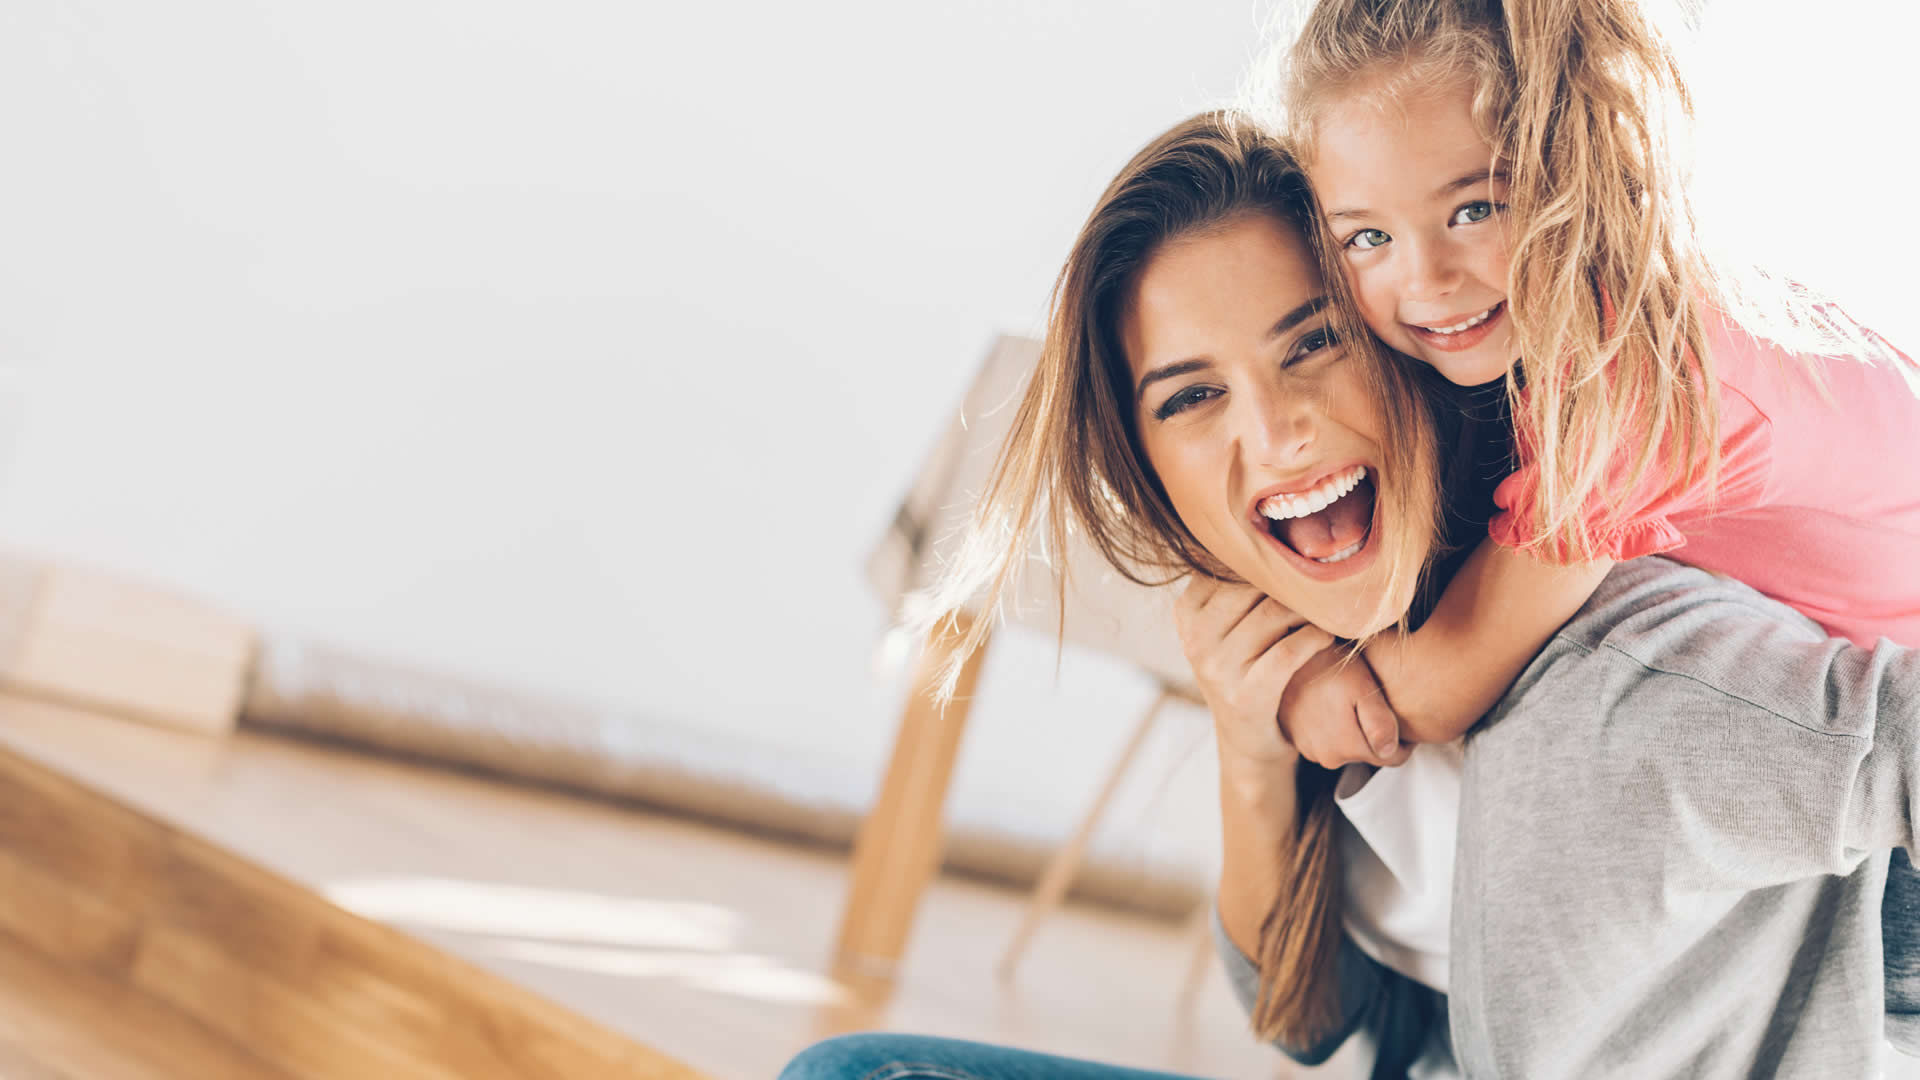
x: 59, y: 1020
x: 136, y: 948
x: 699, y: 942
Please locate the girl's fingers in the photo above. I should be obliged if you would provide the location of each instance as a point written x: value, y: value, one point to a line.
x: 1347, y: 746
x: 1378, y: 724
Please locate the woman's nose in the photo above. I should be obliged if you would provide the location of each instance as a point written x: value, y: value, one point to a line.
x: 1276, y: 428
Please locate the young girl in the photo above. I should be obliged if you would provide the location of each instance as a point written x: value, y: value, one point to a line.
x: 1498, y: 181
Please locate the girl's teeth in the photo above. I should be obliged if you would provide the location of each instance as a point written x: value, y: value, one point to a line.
x: 1457, y: 327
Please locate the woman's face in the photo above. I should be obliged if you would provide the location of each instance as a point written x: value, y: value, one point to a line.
x: 1262, y: 430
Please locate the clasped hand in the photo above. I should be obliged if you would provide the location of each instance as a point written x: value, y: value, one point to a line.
x: 1278, y: 686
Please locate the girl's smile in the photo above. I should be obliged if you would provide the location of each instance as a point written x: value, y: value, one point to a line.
x: 1459, y: 335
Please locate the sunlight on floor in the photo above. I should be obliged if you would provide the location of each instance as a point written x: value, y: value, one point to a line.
x: 551, y: 915
x: 623, y: 937
x: 738, y: 974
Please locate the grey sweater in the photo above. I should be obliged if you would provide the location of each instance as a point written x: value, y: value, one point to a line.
x: 1672, y: 847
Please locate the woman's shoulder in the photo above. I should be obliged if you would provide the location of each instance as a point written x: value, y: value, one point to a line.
x: 1705, y: 644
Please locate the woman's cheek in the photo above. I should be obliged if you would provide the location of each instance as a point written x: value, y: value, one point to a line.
x: 1173, y: 463
x: 1194, y: 482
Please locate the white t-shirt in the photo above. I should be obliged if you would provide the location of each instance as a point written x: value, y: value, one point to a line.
x: 1396, y: 851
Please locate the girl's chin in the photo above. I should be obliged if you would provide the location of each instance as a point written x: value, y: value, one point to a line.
x: 1475, y: 368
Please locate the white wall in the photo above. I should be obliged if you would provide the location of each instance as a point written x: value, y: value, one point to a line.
x: 585, y: 344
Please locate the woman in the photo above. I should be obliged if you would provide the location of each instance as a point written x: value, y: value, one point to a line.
x: 1199, y: 409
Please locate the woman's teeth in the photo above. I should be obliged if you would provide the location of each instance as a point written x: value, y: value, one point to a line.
x: 1300, y: 504
x: 1345, y: 553
x: 1467, y: 325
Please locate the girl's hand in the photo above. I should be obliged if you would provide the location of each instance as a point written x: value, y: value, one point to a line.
x: 1244, y: 649
x: 1334, y: 713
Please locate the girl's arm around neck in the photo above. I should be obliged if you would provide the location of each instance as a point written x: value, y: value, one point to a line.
x: 1495, y: 614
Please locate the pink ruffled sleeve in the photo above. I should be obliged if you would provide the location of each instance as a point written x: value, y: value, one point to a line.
x: 1647, y: 530
x: 1628, y: 521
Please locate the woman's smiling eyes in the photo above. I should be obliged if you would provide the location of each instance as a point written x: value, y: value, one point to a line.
x: 1182, y: 400
x: 1319, y: 339
x: 1469, y: 214
x: 1311, y: 342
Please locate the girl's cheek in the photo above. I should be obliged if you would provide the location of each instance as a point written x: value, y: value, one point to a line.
x: 1369, y: 296
x: 1377, y: 312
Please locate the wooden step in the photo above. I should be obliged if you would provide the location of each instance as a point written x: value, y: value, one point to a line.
x: 129, y: 948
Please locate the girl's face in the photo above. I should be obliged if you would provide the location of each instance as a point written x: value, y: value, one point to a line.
x: 1260, y: 428
x: 1416, y: 205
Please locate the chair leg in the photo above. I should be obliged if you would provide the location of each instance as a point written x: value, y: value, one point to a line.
x: 1060, y: 870
x: 1199, y: 931
x: 897, y: 851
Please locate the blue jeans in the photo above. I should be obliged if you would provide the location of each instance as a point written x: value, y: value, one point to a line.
x: 1900, y: 944
x: 923, y: 1057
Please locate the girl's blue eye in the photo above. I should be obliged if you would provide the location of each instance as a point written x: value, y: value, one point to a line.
x: 1479, y: 210
x: 1368, y: 239
x: 1184, y: 400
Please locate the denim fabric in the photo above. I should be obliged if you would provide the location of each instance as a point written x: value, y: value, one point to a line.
x: 922, y: 1057
x: 1900, y: 940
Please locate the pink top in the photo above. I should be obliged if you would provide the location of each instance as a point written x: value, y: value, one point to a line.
x: 1818, y: 502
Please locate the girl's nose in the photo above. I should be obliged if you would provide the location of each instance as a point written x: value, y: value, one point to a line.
x: 1431, y: 271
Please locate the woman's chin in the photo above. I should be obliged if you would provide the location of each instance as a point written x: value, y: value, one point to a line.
x: 1340, y: 609
x: 1360, y: 620
x: 1354, y: 607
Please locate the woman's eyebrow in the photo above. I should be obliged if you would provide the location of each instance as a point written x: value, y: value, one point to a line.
x: 1297, y: 316
x: 1167, y: 371
x: 1178, y: 368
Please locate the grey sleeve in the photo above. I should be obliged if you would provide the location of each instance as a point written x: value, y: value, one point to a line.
x: 1790, y: 753
x: 1395, y: 1012
x: 1673, y: 836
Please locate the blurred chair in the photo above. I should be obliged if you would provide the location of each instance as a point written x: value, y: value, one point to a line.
x: 898, y: 848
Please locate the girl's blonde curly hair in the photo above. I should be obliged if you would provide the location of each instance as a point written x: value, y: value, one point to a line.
x: 1585, y: 106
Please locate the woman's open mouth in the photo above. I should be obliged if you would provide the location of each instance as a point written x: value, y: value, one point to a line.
x: 1462, y: 334
x: 1327, y: 529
